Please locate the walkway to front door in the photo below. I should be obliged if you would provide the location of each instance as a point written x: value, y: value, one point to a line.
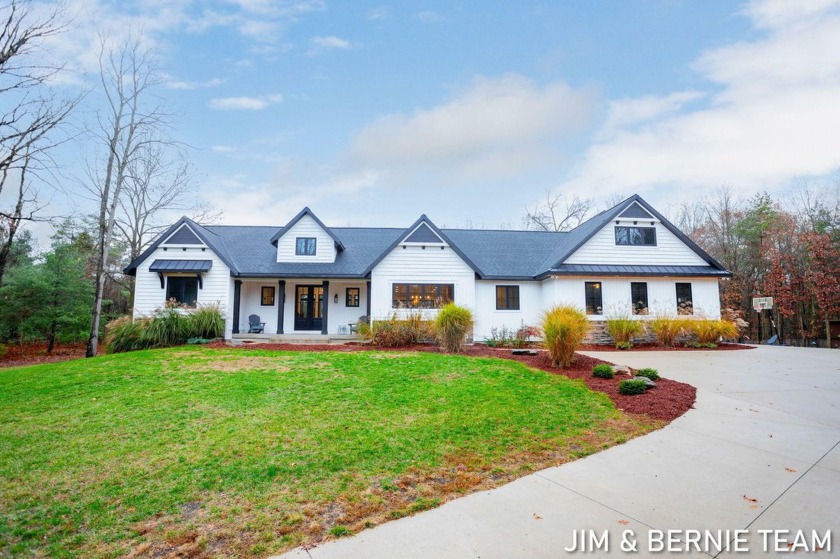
x: 309, y: 304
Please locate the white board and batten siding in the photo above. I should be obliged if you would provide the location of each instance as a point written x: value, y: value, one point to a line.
x: 668, y: 251
x: 216, y: 290
x: 488, y: 317
x: 325, y: 250
x: 415, y: 264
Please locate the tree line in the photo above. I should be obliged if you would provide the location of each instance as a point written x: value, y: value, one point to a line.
x: 134, y: 174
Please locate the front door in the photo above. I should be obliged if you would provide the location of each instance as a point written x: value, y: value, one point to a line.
x: 309, y: 301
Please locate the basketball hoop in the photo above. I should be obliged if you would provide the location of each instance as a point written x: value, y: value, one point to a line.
x: 762, y: 303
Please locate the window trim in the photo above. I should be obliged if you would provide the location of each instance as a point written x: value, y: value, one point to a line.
x: 306, y: 246
x: 600, y: 293
x: 508, y: 289
x: 183, y: 278
x: 646, y: 308
x: 423, y: 286
x: 629, y: 237
x: 347, y: 301
x: 273, y: 295
x: 690, y: 309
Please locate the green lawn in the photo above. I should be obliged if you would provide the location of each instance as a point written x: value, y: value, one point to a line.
x: 244, y: 453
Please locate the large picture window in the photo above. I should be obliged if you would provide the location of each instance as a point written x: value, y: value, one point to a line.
x: 305, y: 246
x: 636, y: 236
x: 422, y: 295
x: 507, y: 297
x: 639, y: 297
x: 594, y: 300
x: 183, y: 290
x: 685, y: 304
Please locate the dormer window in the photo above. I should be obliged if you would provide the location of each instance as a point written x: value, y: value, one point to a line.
x: 635, y: 236
x: 305, y: 246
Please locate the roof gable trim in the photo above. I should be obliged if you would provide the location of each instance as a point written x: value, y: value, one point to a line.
x: 304, y: 212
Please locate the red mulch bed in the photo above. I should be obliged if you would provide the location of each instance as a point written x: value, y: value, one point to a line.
x: 655, y: 347
x: 669, y: 400
x: 36, y: 353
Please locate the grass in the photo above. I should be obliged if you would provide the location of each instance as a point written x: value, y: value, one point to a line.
x: 204, y: 452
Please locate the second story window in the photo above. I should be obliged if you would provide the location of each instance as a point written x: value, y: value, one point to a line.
x: 305, y: 246
x: 635, y: 236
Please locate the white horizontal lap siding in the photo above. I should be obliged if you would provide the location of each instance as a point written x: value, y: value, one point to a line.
x: 488, y: 317
x: 669, y: 250
x: 148, y: 295
x: 250, y: 302
x: 307, y: 227
x: 417, y: 265
x: 615, y: 294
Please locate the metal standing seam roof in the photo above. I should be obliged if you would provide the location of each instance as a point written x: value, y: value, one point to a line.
x: 181, y: 266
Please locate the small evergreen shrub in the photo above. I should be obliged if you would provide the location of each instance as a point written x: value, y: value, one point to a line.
x: 563, y: 328
x: 602, y: 370
x: 667, y: 329
x: 453, y: 324
x: 652, y: 374
x: 623, y: 329
x: 631, y: 387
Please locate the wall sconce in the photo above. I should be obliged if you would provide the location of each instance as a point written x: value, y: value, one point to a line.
x: 335, y: 298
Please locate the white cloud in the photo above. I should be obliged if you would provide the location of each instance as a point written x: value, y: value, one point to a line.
x: 379, y: 13
x: 244, y: 103
x: 770, y: 114
x: 223, y: 149
x: 496, y: 126
x: 331, y: 42
x: 429, y: 16
x: 187, y: 85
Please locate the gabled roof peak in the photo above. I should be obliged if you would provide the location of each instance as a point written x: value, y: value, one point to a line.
x: 304, y: 212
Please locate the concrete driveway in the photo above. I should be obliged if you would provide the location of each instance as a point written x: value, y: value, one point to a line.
x: 760, y: 451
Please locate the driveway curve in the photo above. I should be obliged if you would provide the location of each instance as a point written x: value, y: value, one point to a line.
x: 759, y: 451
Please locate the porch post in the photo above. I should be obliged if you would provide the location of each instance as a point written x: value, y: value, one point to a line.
x: 368, y: 302
x: 281, y: 304
x: 325, y: 308
x: 237, y: 292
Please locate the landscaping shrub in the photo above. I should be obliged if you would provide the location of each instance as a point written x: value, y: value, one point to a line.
x: 602, y: 370
x: 124, y: 334
x: 398, y: 333
x: 500, y: 337
x: 453, y: 324
x: 652, y: 374
x: 622, y: 329
x: 563, y: 331
x: 631, y: 387
x: 206, y: 322
x: 710, y: 331
x: 168, y: 327
x: 667, y: 329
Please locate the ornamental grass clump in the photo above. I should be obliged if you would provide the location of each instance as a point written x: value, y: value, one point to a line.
x: 206, y: 322
x: 667, y: 329
x: 709, y: 332
x: 623, y: 329
x: 563, y: 328
x: 453, y: 324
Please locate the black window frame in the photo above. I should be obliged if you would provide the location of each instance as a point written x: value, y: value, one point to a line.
x: 348, y: 301
x: 638, y: 294
x: 510, y: 297
x: 682, y: 300
x: 591, y: 299
x: 176, y: 288
x: 273, y: 295
x: 304, y: 250
x: 641, y: 235
x: 422, y: 292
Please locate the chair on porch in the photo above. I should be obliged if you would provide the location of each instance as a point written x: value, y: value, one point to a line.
x: 254, y: 324
x: 354, y: 328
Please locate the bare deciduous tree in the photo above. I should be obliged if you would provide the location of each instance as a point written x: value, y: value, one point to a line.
x: 557, y: 213
x: 31, y: 113
x: 132, y: 121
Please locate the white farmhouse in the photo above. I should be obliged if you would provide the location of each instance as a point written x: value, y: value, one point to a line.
x: 310, y: 279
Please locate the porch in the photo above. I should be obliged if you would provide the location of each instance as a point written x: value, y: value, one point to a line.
x: 305, y: 308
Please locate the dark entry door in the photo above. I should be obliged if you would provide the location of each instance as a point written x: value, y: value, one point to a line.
x: 309, y: 304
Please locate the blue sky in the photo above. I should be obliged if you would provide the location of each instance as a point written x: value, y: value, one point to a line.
x: 372, y: 113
